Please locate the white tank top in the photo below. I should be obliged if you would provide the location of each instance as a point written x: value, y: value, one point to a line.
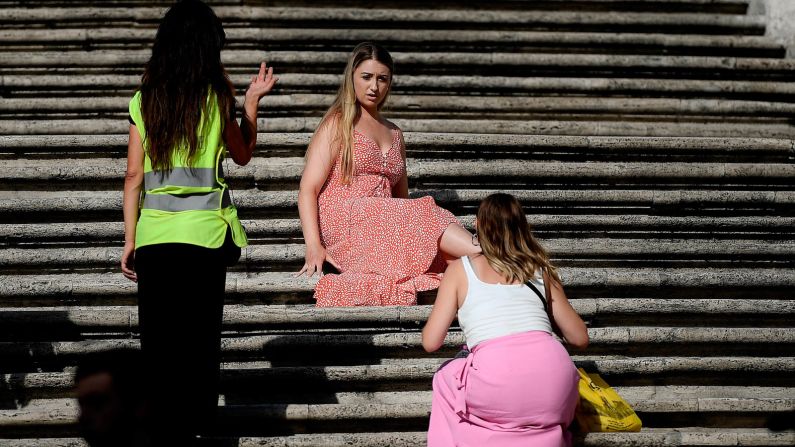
x: 495, y: 310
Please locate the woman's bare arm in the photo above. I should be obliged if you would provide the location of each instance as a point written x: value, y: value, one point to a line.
x: 572, y: 328
x: 241, y: 139
x: 320, y: 157
x: 444, y: 309
x: 133, y: 181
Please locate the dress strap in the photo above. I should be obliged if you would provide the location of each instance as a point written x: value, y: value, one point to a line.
x: 469, y: 270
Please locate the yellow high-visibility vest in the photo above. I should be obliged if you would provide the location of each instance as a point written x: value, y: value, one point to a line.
x: 190, y: 203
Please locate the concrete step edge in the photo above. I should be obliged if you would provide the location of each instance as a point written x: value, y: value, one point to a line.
x: 417, y: 405
x: 279, y: 169
x: 306, y: 314
x: 457, y: 141
x: 446, y: 82
x: 545, y: 225
x: 408, y: 370
x: 647, y: 437
x: 117, y: 58
x: 259, y: 345
x: 229, y: 14
x: 96, y: 36
x: 639, y: 200
x: 629, y: 126
x: 114, y: 284
x: 275, y: 255
x: 407, y: 103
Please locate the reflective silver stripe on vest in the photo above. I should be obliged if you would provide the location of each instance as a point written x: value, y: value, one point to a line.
x: 188, y: 177
x: 188, y: 202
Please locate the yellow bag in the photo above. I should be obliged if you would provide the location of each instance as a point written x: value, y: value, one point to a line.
x: 601, y: 408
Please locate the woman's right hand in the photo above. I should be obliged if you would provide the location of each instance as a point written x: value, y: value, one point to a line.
x: 261, y: 84
x: 315, y: 255
x: 128, y: 262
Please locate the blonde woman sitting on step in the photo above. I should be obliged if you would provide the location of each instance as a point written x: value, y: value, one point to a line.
x: 354, y: 200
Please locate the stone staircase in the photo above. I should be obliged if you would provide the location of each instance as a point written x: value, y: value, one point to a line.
x: 651, y: 141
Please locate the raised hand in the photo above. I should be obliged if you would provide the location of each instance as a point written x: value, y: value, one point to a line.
x: 261, y: 84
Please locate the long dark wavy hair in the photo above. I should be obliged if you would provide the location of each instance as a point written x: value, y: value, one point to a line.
x: 184, y: 68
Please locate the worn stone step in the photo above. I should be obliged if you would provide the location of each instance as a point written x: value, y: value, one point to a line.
x: 711, y: 6
x: 270, y: 382
x: 416, y: 63
x: 432, y: 39
x: 412, y: 408
x: 57, y: 204
x: 407, y: 106
x: 660, y: 127
x: 286, y: 230
x: 691, y: 436
x: 369, y: 348
x: 285, y: 171
x: 300, y: 81
x: 696, y: 23
x: 638, y: 341
x: 647, y: 437
x: 460, y: 145
x: 666, y: 282
x: 590, y: 251
x: 40, y: 322
x: 696, y: 346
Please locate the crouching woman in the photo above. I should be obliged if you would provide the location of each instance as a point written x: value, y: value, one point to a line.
x: 518, y: 385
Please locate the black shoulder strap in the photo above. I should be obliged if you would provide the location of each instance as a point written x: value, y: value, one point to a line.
x: 540, y: 295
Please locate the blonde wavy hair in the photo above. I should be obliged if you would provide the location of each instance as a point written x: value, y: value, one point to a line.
x: 507, y: 241
x: 344, y: 111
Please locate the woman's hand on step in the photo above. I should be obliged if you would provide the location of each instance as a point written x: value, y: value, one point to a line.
x: 314, y: 257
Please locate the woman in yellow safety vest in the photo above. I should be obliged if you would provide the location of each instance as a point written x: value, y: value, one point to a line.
x: 181, y: 234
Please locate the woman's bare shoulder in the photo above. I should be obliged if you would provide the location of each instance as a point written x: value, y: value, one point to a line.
x: 391, y: 126
x: 455, y: 268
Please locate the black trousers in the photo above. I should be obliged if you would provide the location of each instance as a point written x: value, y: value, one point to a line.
x: 180, y: 308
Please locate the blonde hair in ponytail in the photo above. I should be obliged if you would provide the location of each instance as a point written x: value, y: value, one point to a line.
x: 344, y: 111
x: 507, y: 241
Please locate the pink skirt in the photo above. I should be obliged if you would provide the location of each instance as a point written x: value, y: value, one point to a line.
x: 516, y: 390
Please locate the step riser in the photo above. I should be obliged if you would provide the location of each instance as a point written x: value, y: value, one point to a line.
x: 660, y: 179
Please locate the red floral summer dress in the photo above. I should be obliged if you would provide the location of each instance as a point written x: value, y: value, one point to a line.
x: 387, y: 248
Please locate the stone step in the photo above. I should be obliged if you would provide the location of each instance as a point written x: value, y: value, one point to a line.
x: 522, y: 64
x: 647, y: 437
x: 430, y: 39
x: 285, y: 171
x: 43, y: 322
x: 661, y: 127
x: 289, y: 230
x: 712, y: 6
x: 635, y: 341
x: 688, y: 436
x: 691, y: 155
x: 46, y: 83
x: 460, y: 145
x: 33, y: 206
x: 275, y: 382
x: 656, y: 404
x: 665, y: 282
x: 408, y: 106
x: 282, y: 287
x: 323, y: 348
x: 354, y: 17
x: 565, y: 252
